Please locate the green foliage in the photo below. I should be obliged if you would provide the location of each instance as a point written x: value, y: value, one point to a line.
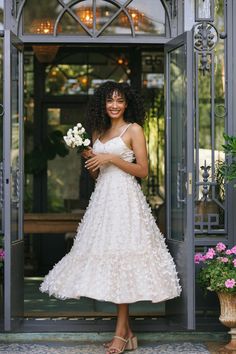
x: 53, y: 144
x: 227, y: 168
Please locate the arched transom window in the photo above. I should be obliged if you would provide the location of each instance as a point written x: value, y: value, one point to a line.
x: 95, y: 18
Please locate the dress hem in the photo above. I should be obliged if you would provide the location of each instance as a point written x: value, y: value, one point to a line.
x: 111, y: 300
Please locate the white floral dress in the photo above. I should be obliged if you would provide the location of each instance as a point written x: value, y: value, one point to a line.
x: 119, y: 254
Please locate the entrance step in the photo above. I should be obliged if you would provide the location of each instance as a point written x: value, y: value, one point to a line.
x: 62, y: 348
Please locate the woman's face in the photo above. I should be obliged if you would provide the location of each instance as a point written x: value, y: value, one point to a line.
x: 116, y: 105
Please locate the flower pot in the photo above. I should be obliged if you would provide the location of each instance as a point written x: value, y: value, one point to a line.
x: 228, y: 317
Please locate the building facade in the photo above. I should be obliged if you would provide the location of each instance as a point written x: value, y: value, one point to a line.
x: 180, y: 55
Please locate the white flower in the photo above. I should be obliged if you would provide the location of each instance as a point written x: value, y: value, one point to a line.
x: 78, y: 141
x: 82, y: 130
x: 79, y: 125
x: 86, y: 142
x: 67, y: 140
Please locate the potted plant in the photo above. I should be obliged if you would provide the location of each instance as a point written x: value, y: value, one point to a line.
x: 218, y: 273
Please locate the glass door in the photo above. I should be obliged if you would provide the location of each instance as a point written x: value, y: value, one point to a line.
x: 179, y: 172
x: 13, y: 181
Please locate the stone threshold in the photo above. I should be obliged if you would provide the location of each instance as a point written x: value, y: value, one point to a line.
x: 95, y: 337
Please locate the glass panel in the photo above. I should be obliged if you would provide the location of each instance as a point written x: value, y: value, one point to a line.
x: 81, y: 79
x: 1, y: 119
x: 70, y: 26
x: 153, y: 93
x: 178, y: 141
x: 63, y: 183
x: 36, y: 13
x: 120, y: 25
x: 147, y: 16
x: 105, y: 11
x: 15, y: 183
x: 84, y: 11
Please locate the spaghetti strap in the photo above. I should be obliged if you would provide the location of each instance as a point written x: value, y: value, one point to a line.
x: 124, y: 130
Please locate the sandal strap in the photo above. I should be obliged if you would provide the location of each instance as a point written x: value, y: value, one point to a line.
x: 123, y: 339
x: 114, y: 348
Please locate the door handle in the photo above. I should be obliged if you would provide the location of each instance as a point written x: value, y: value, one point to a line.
x: 179, y: 185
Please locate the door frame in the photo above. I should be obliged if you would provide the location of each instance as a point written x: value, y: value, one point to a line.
x: 13, y: 250
x: 187, y: 299
x: 147, y: 325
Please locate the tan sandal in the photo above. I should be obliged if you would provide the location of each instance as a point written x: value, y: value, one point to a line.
x: 132, y: 343
x: 115, y: 350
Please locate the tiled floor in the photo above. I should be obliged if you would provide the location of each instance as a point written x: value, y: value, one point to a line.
x: 63, y: 348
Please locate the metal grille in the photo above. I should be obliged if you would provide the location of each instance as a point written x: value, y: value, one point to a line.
x: 210, y: 115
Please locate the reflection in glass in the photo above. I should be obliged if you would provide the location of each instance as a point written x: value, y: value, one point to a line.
x: 82, y: 79
x: 15, y: 179
x: 178, y: 141
x: 37, y: 11
x: 153, y: 93
x: 145, y: 17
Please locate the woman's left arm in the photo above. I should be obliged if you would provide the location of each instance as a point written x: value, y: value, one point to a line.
x: 139, y: 168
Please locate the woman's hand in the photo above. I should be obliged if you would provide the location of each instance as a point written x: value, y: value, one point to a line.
x: 95, y: 162
x: 87, y: 153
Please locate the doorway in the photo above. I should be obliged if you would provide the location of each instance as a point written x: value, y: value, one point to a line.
x: 57, y: 186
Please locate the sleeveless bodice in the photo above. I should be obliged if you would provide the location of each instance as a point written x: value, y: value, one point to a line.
x: 115, y: 146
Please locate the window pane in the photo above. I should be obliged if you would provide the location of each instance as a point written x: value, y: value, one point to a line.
x: 145, y: 17
x: 40, y: 16
x: 82, y: 78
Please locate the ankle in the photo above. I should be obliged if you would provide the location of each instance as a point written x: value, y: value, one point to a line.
x: 122, y: 332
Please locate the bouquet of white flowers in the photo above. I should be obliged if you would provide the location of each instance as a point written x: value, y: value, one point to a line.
x: 77, y: 138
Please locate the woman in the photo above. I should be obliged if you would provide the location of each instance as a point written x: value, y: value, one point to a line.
x: 119, y: 254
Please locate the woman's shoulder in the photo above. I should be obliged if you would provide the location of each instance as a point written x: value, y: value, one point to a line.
x: 135, y: 128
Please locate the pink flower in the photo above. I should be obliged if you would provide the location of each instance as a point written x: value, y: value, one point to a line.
x: 223, y: 259
x: 220, y: 246
x: 228, y: 252
x: 198, y: 258
x: 229, y: 283
x: 210, y: 253
x: 233, y: 250
x: 234, y: 263
x: 2, y: 254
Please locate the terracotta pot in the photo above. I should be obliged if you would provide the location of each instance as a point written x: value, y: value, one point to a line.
x: 228, y: 317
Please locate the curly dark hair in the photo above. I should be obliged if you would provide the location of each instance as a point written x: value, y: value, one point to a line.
x: 97, y: 118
